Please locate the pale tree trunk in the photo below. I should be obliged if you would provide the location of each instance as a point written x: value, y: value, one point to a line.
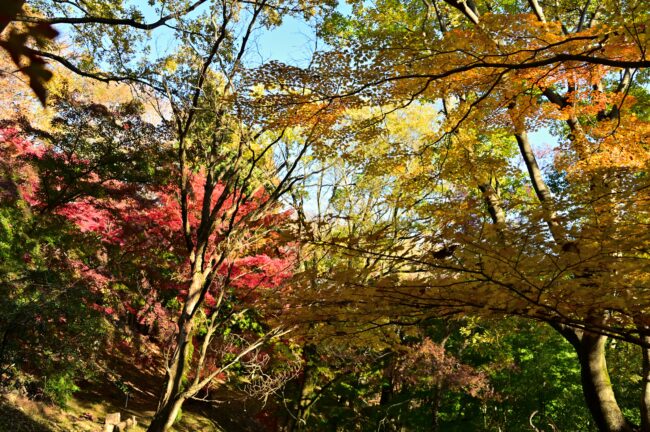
x: 173, y: 394
x: 590, y: 347
x: 173, y: 398
x: 645, y: 391
x: 493, y: 201
x: 176, y: 394
x: 165, y: 418
x: 596, y: 385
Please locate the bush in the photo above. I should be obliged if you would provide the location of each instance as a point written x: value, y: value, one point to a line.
x: 59, y: 388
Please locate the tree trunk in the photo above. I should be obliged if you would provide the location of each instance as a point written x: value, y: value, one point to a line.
x: 387, y: 385
x: 435, y: 408
x: 294, y: 421
x: 597, y: 387
x: 539, y: 185
x: 645, y: 394
x: 166, y: 416
x: 173, y: 394
x: 173, y: 398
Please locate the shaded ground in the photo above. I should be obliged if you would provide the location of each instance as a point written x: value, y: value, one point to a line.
x: 14, y: 419
x: 87, y: 410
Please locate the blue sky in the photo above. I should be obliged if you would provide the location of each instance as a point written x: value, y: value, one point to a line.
x: 291, y: 43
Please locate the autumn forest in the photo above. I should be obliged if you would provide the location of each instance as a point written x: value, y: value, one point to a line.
x: 434, y: 215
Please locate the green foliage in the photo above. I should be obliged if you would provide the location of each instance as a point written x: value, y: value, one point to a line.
x: 350, y: 389
x: 524, y: 356
x: 47, y: 329
x: 59, y: 388
x: 624, y: 367
x: 424, y: 159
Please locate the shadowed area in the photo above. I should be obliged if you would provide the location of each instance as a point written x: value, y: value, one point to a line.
x: 14, y: 420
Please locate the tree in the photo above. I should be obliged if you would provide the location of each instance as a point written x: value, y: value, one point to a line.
x: 549, y: 253
x: 224, y: 147
x: 50, y: 333
x: 418, y: 120
x: 109, y: 173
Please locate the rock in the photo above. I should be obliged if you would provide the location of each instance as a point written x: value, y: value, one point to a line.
x: 112, y: 420
x: 126, y: 425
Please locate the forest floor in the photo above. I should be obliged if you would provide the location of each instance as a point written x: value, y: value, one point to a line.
x: 20, y: 414
x: 87, y: 409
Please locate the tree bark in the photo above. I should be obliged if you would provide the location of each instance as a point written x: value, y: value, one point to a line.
x: 541, y: 190
x: 645, y: 391
x: 166, y: 416
x: 294, y: 421
x: 435, y: 408
x: 388, y: 385
x: 173, y: 394
x: 596, y: 385
x: 493, y: 201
